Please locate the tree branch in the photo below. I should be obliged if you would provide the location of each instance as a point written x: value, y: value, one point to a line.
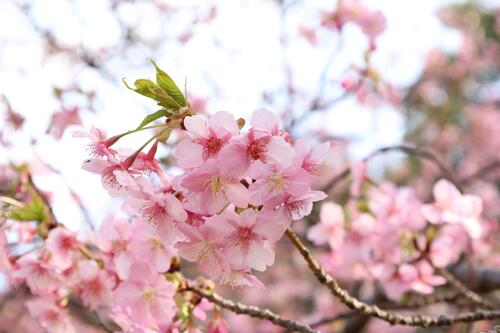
x: 458, y: 285
x: 252, y: 311
x: 410, y: 150
x: 373, y: 310
x: 487, y: 279
x: 481, y: 172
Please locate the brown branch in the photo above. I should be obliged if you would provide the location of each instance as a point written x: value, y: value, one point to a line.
x: 410, y: 150
x: 252, y: 311
x: 373, y: 310
x: 480, y: 172
x: 459, y: 286
x: 487, y: 279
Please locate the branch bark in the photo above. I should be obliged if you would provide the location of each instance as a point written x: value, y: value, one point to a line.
x: 458, y: 285
x: 253, y: 311
x: 410, y: 150
x: 375, y: 311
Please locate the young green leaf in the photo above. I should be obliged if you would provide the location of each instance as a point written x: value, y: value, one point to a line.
x: 33, y: 211
x: 167, y: 84
x: 164, y: 100
x: 143, y: 87
x: 153, y: 116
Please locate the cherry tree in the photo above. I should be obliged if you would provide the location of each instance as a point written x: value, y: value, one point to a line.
x: 213, y: 213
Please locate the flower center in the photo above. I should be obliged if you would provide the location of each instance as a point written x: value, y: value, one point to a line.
x: 296, y: 206
x: 155, y: 243
x: 276, y: 180
x: 94, y: 286
x: 242, y: 237
x: 256, y: 150
x: 217, y: 185
x: 67, y: 243
x: 152, y: 211
x: 211, y: 147
x: 148, y: 293
x: 204, y: 252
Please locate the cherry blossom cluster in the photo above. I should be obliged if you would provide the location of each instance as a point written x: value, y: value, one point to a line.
x: 387, y: 234
x: 237, y: 193
x: 235, y: 197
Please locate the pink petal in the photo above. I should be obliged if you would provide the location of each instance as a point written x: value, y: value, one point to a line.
x: 258, y: 257
x: 196, y: 125
x: 237, y: 194
x: 188, y: 154
x: 224, y: 120
x: 264, y: 119
x: 280, y: 151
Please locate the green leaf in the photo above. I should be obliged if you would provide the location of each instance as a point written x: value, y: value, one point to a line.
x: 143, y: 87
x: 167, y: 84
x: 33, y: 211
x: 164, y: 100
x: 153, y: 116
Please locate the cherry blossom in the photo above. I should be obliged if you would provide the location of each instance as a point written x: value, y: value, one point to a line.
x: 207, y: 138
x: 94, y: 285
x: 146, y: 297
x: 331, y: 227
x: 52, y: 317
x: 450, y: 206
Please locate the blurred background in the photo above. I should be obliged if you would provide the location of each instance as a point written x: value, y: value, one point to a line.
x: 415, y: 72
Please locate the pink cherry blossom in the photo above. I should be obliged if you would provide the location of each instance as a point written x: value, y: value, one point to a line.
x: 40, y: 276
x: 371, y: 22
x: 264, y: 142
x: 52, y: 317
x: 62, y: 244
x: 310, y: 159
x: 273, y: 184
x: 62, y: 119
x: 146, y: 296
x: 152, y: 243
x: 419, y: 278
x: 240, y: 278
x: 203, y: 245
x: 147, y: 162
x: 296, y: 207
x: 330, y: 229
x: 246, y: 237
x: 207, y: 138
x: 113, y: 238
x: 94, y: 285
x: 159, y: 208
x: 447, y: 247
x: 396, y: 207
x: 100, y: 146
x: 450, y: 206
x: 215, y: 187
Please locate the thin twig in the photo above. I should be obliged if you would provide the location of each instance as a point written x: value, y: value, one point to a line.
x: 410, y: 150
x: 373, y: 310
x: 481, y: 172
x: 458, y: 285
x: 253, y: 311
